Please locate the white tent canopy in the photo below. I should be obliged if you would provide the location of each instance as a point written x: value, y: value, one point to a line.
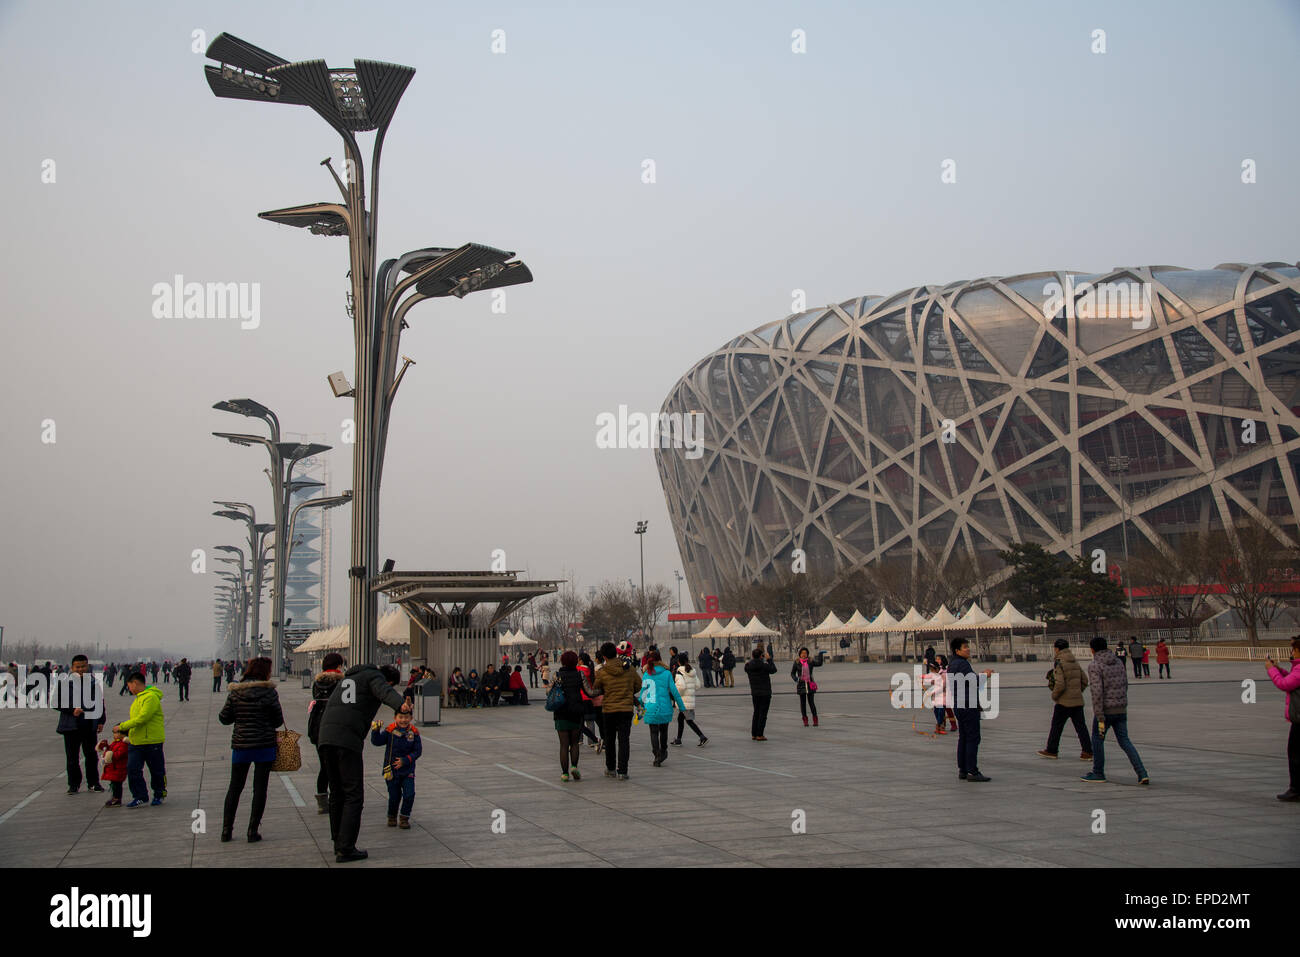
x: 394, y: 628
x: 712, y: 630
x: 756, y: 629
x: 975, y: 617
x: 829, y: 626
x: 1009, y: 617
x: 857, y: 624
x: 507, y: 639
x: 523, y: 641
x: 883, y: 622
x: 734, y: 627
x: 913, y: 620
x: 943, y: 619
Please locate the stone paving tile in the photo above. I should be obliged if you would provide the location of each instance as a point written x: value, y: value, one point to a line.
x: 875, y: 792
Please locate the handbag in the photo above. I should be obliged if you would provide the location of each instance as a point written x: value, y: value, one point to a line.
x: 812, y: 685
x: 288, y: 757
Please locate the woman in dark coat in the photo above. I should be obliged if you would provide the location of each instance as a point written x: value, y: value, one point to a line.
x: 321, y: 689
x: 253, y: 707
x: 569, y: 719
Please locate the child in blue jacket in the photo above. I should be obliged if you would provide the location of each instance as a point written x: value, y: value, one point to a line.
x: 658, y: 694
x: 403, y: 748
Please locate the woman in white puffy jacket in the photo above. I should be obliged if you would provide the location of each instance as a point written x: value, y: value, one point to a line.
x: 688, y: 680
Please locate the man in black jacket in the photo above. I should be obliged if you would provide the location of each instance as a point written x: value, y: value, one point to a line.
x: 183, y: 671
x: 343, y: 729
x: 966, y: 706
x: 79, y: 727
x: 760, y: 669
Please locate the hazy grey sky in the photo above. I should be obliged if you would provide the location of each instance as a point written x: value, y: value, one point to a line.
x: 775, y: 171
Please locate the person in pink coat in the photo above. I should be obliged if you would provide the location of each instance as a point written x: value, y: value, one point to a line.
x: 1289, y: 683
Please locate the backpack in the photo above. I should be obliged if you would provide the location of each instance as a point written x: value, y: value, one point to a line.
x: 555, y: 697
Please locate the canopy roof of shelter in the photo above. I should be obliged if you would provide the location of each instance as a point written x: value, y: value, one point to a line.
x: 943, y: 619
x: 436, y: 597
x: 913, y: 620
x: 884, y: 622
x: 734, y: 627
x: 713, y: 629
x: 1010, y: 617
x: 828, y: 626
x: 756, y: 629
x: 975, y: 617
x: 856, y: 624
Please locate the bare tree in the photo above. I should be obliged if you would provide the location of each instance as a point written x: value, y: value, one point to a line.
x: 1250, y: 566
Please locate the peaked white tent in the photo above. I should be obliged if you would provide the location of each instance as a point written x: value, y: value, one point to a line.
x: 504, y: 641
x: 975, y: 617
x: 857, y: 624
x: 1010, y: 617
x: 943, y: 620
x: 913, y: 620
x: 734, y: 627
x: 756, y: 629
x: 712, y: 630
x: 523, y: 640
x: 883, y: 622
x: 830, y: 625
x: 394, y: 628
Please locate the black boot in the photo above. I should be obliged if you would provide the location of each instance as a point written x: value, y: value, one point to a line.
x: 227, y: 831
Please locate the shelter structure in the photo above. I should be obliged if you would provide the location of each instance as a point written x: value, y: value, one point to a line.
x: 438, y: 606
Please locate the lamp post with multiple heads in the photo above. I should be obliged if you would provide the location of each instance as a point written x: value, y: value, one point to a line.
x: 284, y: 456
x: 256, y: 540
x: 361, y: 98
x: 243, y: 581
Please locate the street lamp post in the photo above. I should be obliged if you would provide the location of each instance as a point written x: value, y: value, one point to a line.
x: 284, y: 456
x: 256, y: 539
x: 243, y: 581
x: 361, y: 98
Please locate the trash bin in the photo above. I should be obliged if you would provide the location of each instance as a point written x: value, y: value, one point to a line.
x: 307, y: 679
x: 426, y: 701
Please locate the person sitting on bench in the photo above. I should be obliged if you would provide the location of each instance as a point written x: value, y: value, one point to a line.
x: 517, y: 689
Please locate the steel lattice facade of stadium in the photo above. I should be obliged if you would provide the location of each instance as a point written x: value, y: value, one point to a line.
x: 825, y: 430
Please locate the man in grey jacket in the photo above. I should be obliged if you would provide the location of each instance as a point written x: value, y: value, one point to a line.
x: 1108, y: 681
x: 351, y: 707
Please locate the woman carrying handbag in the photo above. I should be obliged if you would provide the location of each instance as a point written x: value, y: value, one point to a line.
x: 801, y: 671
x: 253, y: 707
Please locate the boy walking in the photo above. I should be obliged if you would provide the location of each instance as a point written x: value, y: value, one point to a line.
x: 1109, y: 683
x: 1068, y: 682
x: 404, y: 748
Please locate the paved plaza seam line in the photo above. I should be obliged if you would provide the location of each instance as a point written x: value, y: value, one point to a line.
x: 538, y: 780
x: 747, y: 767
x: 293, y: 791
x: 19, y: 806
x: 446, y: 745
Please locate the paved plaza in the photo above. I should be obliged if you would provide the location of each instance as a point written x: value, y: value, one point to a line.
x: 872, y: 790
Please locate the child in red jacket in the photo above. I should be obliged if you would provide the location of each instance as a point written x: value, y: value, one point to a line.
x: 114, y: 770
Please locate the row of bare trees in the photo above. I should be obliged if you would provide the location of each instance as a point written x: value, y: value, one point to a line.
x: 1250, y: 570
x: 609, y: 613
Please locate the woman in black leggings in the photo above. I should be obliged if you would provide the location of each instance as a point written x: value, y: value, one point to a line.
x: 253, y: 707
x: 801, y: 671
x: 569, y: 718
x: 321, y: 689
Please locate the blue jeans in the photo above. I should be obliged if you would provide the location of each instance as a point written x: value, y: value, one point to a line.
x: 1117, y: 724
x: 139, y: 755
x: 401, y: 789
